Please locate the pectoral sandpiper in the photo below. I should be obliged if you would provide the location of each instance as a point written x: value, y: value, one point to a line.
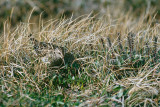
x: 56, y: 56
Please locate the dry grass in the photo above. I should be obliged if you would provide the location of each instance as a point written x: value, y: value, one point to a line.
x: 104, y: 76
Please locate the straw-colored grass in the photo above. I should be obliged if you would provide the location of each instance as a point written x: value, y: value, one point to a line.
x: 108, y: 71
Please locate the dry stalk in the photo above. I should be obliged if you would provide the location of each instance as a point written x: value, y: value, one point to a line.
x: 131, y: 43
x: 119, y: 42
x: 155, y: 48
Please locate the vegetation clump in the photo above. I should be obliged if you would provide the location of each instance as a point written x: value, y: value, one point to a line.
x: 105, y: 62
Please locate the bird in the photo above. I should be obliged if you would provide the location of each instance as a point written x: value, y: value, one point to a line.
x: 52, y: 54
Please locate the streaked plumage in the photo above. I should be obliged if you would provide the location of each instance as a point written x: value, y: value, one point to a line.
x: 52, y: 54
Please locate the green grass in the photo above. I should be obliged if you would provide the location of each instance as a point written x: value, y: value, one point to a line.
x: 117, y: 63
